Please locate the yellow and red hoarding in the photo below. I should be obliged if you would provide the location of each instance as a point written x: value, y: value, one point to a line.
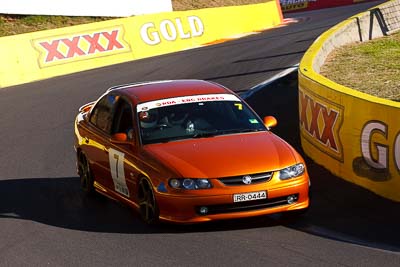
x: 354, y: 135
x: 40, y: 55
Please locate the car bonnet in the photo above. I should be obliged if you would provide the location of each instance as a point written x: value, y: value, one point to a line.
x: 224, y: 156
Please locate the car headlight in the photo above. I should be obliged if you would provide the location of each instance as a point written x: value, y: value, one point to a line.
x: 189, y: 184
x: 292, y: 171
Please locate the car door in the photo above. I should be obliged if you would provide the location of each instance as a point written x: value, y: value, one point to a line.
x: 122, y: 157
x: 97, y: 139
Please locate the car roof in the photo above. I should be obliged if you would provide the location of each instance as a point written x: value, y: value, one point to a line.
x: 149, y: 91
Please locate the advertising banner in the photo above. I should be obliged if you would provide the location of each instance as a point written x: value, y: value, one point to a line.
x: 354, y: 135
x: 357, y: 138
x: 40, y: 55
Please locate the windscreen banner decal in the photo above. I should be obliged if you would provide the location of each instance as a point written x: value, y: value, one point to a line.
x: 81, y: 46
x: 185, y: 100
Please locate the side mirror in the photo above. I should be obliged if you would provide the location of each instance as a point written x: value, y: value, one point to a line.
x: 270, y: 122
x: 119, y: 138
x: 123, y: 138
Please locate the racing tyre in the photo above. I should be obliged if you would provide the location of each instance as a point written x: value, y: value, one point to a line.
x: 147, y: 203
x: 86, y: 177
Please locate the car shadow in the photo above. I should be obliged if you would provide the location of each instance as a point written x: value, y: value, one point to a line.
x: 343, y: 211
x: 354, y: 215
x: 60, y: 202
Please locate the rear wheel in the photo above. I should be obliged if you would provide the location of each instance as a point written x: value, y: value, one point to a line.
x: 147, y: 202
x: 85, y: 174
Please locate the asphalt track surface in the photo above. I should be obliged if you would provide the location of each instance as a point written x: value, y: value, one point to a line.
x: 45, y: 220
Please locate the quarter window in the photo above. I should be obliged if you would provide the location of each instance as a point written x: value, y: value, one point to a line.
x: 101, y: 116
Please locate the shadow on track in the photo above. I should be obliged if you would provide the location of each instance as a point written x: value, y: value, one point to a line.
x: 59, y: 202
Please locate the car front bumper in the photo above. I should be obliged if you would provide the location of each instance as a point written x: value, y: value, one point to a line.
x: 186, y: 208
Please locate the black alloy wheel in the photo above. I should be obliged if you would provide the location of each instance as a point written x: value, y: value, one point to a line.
x: 147, y: 202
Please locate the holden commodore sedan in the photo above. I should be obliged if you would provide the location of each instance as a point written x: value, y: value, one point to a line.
x: 186, y: 151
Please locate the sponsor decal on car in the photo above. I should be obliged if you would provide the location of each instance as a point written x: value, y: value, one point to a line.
x: 116, y: 159
x: 185, y: 100
x: 80, y: 46
x: 320, y: 123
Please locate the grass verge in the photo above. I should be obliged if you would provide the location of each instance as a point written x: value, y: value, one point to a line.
x: 16, y: 24
x: 372, y: 67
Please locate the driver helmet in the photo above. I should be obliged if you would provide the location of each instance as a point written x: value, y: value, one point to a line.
x: 149, y: 118
x: 177, y: 115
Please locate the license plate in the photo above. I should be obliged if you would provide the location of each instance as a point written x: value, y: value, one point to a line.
x: 250, y: 196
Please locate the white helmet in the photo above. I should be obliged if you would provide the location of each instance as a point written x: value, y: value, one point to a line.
x: 148, y: 119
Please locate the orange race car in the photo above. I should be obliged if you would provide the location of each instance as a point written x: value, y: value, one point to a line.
x: 186, y: 151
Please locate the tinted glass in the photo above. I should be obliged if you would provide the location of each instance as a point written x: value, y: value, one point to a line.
x: 197, y: 120
x: 123, y: 119
x: 101, y: 115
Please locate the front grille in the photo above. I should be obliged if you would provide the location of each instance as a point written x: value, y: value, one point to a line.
x: 247, y: 206
x: 255, y: 179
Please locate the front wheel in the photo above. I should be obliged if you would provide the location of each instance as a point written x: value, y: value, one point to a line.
x: 147, y: 202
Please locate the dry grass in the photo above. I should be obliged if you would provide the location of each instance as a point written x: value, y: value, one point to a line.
x: 372, y: 67
x: 15, y: 24
x: 192, y: 4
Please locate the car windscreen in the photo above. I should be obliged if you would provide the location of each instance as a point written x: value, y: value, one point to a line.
x: 195, y: 117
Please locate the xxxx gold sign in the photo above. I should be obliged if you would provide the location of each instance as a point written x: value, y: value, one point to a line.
x: 80, y: 46
x: 320, y: 123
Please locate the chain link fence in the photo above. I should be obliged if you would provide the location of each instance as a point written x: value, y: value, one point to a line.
x: 391, y: 15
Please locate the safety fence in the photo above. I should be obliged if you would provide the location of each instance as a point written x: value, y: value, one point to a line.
x: 390, y: 13
x: 354, y: 135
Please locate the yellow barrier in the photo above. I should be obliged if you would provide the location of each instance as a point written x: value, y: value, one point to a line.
x: 354, y: 135
x: 40, y: 55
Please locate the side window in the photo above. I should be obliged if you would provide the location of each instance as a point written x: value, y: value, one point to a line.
x: 123, y: 119
x: 101, y: 116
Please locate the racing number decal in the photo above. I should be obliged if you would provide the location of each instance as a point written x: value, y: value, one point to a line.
x: 117, y: 171
x: 239, y: 106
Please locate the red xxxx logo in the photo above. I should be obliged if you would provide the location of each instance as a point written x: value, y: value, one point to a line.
x: 320, y: 121
x: 78, y: 47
